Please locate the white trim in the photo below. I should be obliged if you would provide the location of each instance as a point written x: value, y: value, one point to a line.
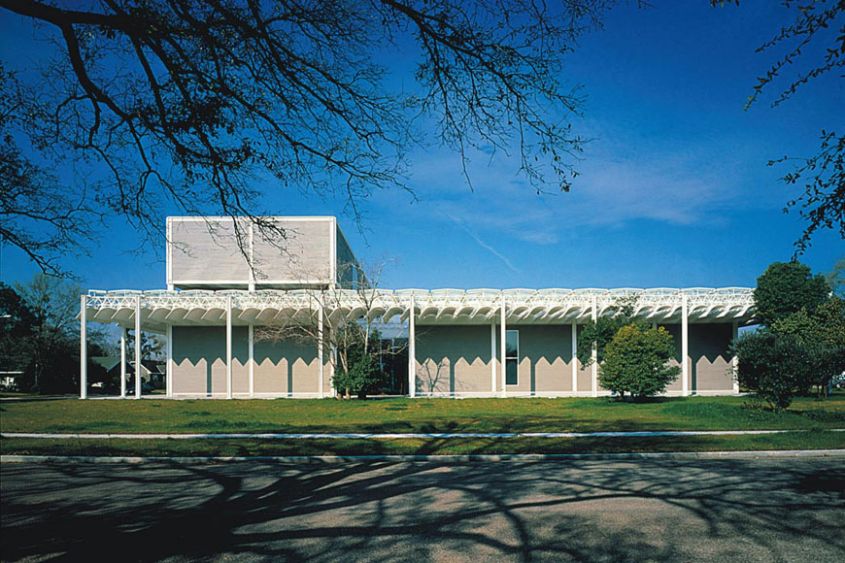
x: 332, y: 364
x: 251, y: 346
x: 503, y: 330
x: 123, y: 340
x: 412, y: 350
x: 138, y: 347
x: 453, y: 395
x: 169, y: 253
x: 574, y: 331
x: 227, y: 218
x: 493, y: 357
x: 685, y: 371
x: 83, y: 347
x: 229, y: 347
x: 594, y: 367
x: 444, y: 307
x: 169, y: 366
x: 251, y: 264
x: 258, y: 283
x: 333, y: 252
x: 320, y: 346
x: 735, y: 358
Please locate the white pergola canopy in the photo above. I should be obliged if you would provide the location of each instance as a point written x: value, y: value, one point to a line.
x: 161, y: 308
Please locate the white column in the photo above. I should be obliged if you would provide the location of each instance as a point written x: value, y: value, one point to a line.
x: 595, y: 354
x: 574, y: 358
x: 138, y: 347
x: 735, y: 358
x: 123, y: 362
x: 83, y: 348
x: 684, y: 346
x: 493, y: 357
x: 168, y: 367
x: 228, y: 346
x: 320, y: 349
x: 251, y: 366
x: 333, y: 353
x: 412, y: 350
x: 503, y: 336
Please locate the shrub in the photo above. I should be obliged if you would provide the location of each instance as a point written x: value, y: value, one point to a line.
x: 775, y: 366
x: 821, y: 338
x: 636, y: 361
x: 363, y: 375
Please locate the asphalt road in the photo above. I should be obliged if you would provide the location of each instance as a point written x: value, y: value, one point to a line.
x: 708, y: 510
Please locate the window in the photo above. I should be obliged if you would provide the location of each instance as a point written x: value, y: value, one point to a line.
x: 512, y: 357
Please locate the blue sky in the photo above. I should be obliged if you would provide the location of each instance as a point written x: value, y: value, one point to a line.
x: 674, y: 189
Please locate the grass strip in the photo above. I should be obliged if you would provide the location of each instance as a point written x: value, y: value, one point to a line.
x: 417, y: 415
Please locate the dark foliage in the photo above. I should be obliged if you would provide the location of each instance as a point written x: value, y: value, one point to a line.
x: 786, y: 288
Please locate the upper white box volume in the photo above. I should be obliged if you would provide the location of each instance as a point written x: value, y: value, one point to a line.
x: 204, y: 252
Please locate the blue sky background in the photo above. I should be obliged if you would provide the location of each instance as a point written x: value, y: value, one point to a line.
x: 674, y: 188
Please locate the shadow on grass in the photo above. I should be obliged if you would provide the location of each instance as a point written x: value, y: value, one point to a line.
x: 582, y: 510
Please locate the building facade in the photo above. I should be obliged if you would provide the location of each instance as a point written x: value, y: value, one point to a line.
x: 229, y: 284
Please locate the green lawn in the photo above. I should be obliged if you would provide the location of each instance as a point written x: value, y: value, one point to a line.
x: 419, y: 415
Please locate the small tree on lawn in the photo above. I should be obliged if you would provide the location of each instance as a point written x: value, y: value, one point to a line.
x: 602, y: 331
x: 636, y: 361
x: 774, y: 365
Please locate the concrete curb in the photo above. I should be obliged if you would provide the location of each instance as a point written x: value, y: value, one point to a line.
x: 329, y: 459
x: 397, y: 436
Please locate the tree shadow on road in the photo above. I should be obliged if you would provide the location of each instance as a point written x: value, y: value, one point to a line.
x: 580, y: 510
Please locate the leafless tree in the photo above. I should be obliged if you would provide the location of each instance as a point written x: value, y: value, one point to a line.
x: 350, y: 323
x: 163, y: 104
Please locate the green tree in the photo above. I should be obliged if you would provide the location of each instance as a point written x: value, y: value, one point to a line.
x: 636, y: 361
x: 822, y: 339
x: 773, y: 365
x: 52, y: 347
x: 17, y: 324
x: 786, y: 288
x: 602, y: 331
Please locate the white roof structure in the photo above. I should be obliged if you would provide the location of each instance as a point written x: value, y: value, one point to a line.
x: 161, y: 308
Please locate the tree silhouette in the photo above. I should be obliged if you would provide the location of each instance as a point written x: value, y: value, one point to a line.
x: 184, y: 103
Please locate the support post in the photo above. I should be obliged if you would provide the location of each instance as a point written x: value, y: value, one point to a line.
x: 83, y: 348
x: 320, y: 349
x: 503, y: 336
x: 595, y: 354
x: 574, y: 358
x: 333, y: 353
x: 412, y: 350
x: 735, y: 358
x: 228, y: 346
x: 168, y: 367
x: 251, y: 360
x: 493, y: 357
x: 685, y: 387
x: 123, y: 339
x: 138, y: 347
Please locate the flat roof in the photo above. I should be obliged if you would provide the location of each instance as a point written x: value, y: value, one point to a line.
x: 160, y: 308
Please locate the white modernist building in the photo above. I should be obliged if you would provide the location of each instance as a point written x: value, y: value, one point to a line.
x: 225, y: 283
